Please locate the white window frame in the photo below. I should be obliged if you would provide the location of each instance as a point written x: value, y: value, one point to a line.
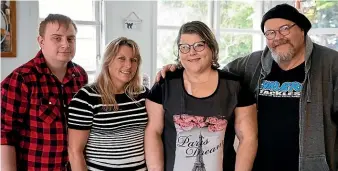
x: 97, y: 22
x: 214, y: 23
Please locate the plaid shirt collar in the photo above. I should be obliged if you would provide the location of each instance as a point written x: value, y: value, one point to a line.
x: 42, y: 68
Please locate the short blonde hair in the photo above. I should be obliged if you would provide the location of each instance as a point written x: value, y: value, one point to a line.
x: 62, y: 20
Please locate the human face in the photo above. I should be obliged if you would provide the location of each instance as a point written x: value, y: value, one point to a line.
x: 123, y: 66
x: 283, y: 47
x: 58, y: 44
x: 195, y: 61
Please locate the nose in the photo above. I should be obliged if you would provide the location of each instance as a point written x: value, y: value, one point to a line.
x: 192, y: 51
x: 127, y: 64
x: 65, y: 43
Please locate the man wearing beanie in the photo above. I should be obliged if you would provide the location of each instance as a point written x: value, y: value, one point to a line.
x: 296, y: 82
x: 296, y: 87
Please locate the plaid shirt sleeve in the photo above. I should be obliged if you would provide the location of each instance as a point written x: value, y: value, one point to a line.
x: 14, y: 104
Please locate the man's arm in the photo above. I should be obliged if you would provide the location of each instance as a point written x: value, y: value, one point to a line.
x: 14, y: 103
x: 335, y: 103
x: 166, y: 68
x: 236, y: 66
x: 246, y: 131
x: 153, y: 144
x: 335, y: 93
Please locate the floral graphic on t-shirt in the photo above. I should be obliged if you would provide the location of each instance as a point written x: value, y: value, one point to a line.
x: 199, y: 142
x: 187, y: 122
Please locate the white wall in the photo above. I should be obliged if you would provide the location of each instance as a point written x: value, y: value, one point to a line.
x: 117, y: 11
x: 27, y: 46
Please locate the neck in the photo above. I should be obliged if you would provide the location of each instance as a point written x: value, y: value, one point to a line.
x: 119, y: 90
x: 119, y: 87
x: 200, y: 77
x: 59, y: 69
x: 298, y: 59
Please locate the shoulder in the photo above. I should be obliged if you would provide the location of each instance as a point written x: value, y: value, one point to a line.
x: 254, y: 57
x: 247, y: 63
x: 89, y: 90
x: 171, y: 76
x: 22, y: 73
x: 231, y: 81
x: 79, y: 69
x: 326, y: 57
x: 325, y: 52
x: 81, y: 74
x: 144, y: 91
x: 226, y: 75
x: 177, y: 74
x: 27, y: 68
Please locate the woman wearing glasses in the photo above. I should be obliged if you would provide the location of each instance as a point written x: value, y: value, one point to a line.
x: 196, y: 111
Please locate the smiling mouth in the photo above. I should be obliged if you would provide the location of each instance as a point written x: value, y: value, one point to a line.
x: 125, y: 72
x: 194, y: 60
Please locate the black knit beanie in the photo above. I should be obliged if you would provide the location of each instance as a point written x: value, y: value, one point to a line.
x: 288, y: 12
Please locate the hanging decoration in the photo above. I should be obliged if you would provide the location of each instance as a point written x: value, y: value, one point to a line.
x: 132, y: 21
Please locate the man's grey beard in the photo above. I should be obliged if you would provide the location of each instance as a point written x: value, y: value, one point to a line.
x: 283, y: 56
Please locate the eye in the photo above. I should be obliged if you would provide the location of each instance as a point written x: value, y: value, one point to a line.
x: 284, y: 28
x: 134, y: 60
x: 268, y: 33
x: 57, y: 38
x: 199, y: 44
x: 71, y: 39
x: 184, y: 47
x: 121, y: 58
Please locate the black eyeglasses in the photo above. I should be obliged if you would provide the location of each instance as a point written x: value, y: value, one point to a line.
x: 283, y: 30
x: 198, y: 47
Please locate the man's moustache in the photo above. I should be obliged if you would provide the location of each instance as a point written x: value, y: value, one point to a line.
x: 280, y: 42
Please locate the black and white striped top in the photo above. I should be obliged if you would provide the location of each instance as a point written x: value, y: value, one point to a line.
x: 116, y: 137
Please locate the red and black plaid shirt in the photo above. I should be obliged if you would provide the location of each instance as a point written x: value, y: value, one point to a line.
x: 33, y: 113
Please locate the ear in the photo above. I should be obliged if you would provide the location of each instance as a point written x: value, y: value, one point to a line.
x: 40, y: 41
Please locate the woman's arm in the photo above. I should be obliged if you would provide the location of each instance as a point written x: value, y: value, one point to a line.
x: 77, y: 140
x: 246, y: 131
x: 153, y: 144
x: 80, y: 119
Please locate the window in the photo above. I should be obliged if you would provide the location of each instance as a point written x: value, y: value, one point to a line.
x: 181, y: 11
x: 236, y: 24
x: 238, y: 29
x: 324, y: 18
x: 87, y: 19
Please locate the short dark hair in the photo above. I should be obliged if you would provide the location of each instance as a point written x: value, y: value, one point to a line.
x: 201, y: 29
x: 55, y: 18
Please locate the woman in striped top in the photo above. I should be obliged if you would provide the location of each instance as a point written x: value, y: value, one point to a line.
x: 107, y: 119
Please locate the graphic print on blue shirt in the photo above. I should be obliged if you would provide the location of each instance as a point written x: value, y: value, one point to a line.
x: 199, y: 142
x: 275, y: 89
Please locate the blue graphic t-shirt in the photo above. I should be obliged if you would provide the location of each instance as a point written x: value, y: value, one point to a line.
x: 278, y: 119
x: 199, y: 132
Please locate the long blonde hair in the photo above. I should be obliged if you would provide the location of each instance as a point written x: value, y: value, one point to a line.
x: 104, y: 83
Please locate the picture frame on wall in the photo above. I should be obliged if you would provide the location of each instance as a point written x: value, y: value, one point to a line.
x: 8, y: 28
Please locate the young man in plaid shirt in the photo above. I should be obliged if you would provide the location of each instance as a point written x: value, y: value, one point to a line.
x: 34, y: 101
